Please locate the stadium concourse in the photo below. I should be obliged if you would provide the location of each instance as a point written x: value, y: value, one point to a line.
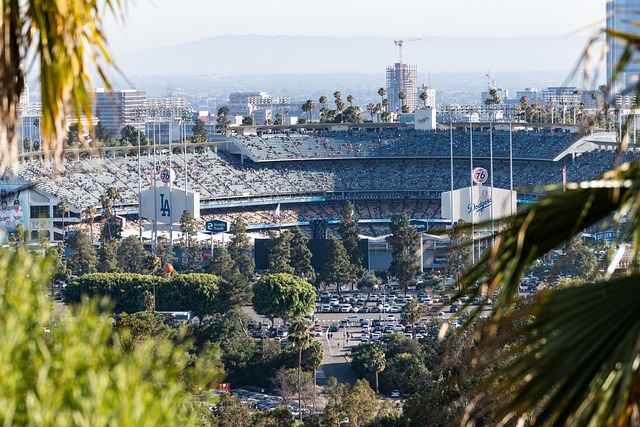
x: 392, y: 172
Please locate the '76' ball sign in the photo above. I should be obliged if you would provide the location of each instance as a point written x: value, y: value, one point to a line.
x: 479, y: 175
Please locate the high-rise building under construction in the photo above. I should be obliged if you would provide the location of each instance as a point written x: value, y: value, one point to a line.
x: 402, y: 78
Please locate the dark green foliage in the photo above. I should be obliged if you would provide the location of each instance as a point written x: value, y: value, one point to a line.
x: 107, y: 257
x: 349, y: 233
x: 81, y: 255
x: 301, y: 255
x: 240, y: 248
x: 337, y: 269
x: 129, y: 135
x: 132, y: 258
x: 180, y: 292
x: 283, y: 296
x: 280, y: 253
x: 405, y: 248
x: 199, y: 132
x: 220, y: 262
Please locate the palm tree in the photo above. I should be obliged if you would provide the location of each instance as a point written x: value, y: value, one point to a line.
x: 423, y: 98
x: 381, y: 93
x: 307, y: 107
x: 385, y: 108
x: 63, y: 207
x: 65, y: 42
x: 572, y: 356
x: 377, y: 363
x: 300, y: 337
x: 350, y: 100
x: 337, y: 95
x: 402, y: 96
x: 90, y: 214
x: 371, y: 109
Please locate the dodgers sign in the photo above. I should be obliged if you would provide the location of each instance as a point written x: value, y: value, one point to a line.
x: 167, y: 205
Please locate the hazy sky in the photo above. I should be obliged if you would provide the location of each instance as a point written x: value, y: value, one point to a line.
x: 168, y: 22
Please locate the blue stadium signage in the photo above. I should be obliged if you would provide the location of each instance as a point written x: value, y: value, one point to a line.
x: 216, y: 226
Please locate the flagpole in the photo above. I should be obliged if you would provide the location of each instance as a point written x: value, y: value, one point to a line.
x: 170, y: 182
x: 139, y: 190
x: 511, y: 163
x: 473, y: 230
x: 491, y: 172
x: 451, y: 164
x: 155, y: 189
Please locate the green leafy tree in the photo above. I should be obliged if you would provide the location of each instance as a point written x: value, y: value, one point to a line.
x: 369, y: 282
x: 61, y: 370
x: 228, y: 411
x: 337, y: 269
x: 350, y: 236
x: 283, y: 296
x: 127, y: 292
x: 107, y: 257
x: 132, y: 258
x: 192, y: 256
x: 412, y: 313
x: 280, y: 253
x: 129, y: 135
x: 220, y: 262
x: 81, y: 255
x: 240, y: 248
x: 405, y: 246
x: 301, y: 255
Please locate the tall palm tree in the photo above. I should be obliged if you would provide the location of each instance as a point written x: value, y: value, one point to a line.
x: 423, y: 98
x: 573, y: 356
x: 63, y: 207
x: 381, y: 93
x: 337, y: 95
x: 66, y: 40
x: 90, y: 214
x: 377, y: 363
x: 402, y: 96
x: 385, y: 108
x: 350, y: 100
x: 300, y: 337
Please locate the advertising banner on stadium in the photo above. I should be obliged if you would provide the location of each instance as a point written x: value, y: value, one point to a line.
x: 478, y: 203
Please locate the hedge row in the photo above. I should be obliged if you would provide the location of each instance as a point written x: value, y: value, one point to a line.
x: 180, y: 292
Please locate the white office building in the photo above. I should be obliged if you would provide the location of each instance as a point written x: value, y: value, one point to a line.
x: 117, y: 109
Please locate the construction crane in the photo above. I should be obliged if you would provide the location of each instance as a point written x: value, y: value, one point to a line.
x: 400, y: 43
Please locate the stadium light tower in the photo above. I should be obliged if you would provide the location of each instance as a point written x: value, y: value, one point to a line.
x: 400, y: 44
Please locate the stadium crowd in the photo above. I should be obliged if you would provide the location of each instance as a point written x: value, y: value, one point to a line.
x: 220, y: 176
x: 526, y: 145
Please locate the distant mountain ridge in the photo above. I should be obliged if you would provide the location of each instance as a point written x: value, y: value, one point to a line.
x: 257, y: 54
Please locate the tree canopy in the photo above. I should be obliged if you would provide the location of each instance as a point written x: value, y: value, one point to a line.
x: 283, y: 296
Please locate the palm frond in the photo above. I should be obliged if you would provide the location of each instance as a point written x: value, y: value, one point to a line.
x: 553, y: 220
x: 576, y: 356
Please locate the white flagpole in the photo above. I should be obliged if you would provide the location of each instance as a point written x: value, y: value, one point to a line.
x: 511, y: 164
x: 491, y: 172
x: 155, y: 190
x: 473, y: 230
x: 451, y: 164
x: 139, y: 190
x: 170, y: 182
